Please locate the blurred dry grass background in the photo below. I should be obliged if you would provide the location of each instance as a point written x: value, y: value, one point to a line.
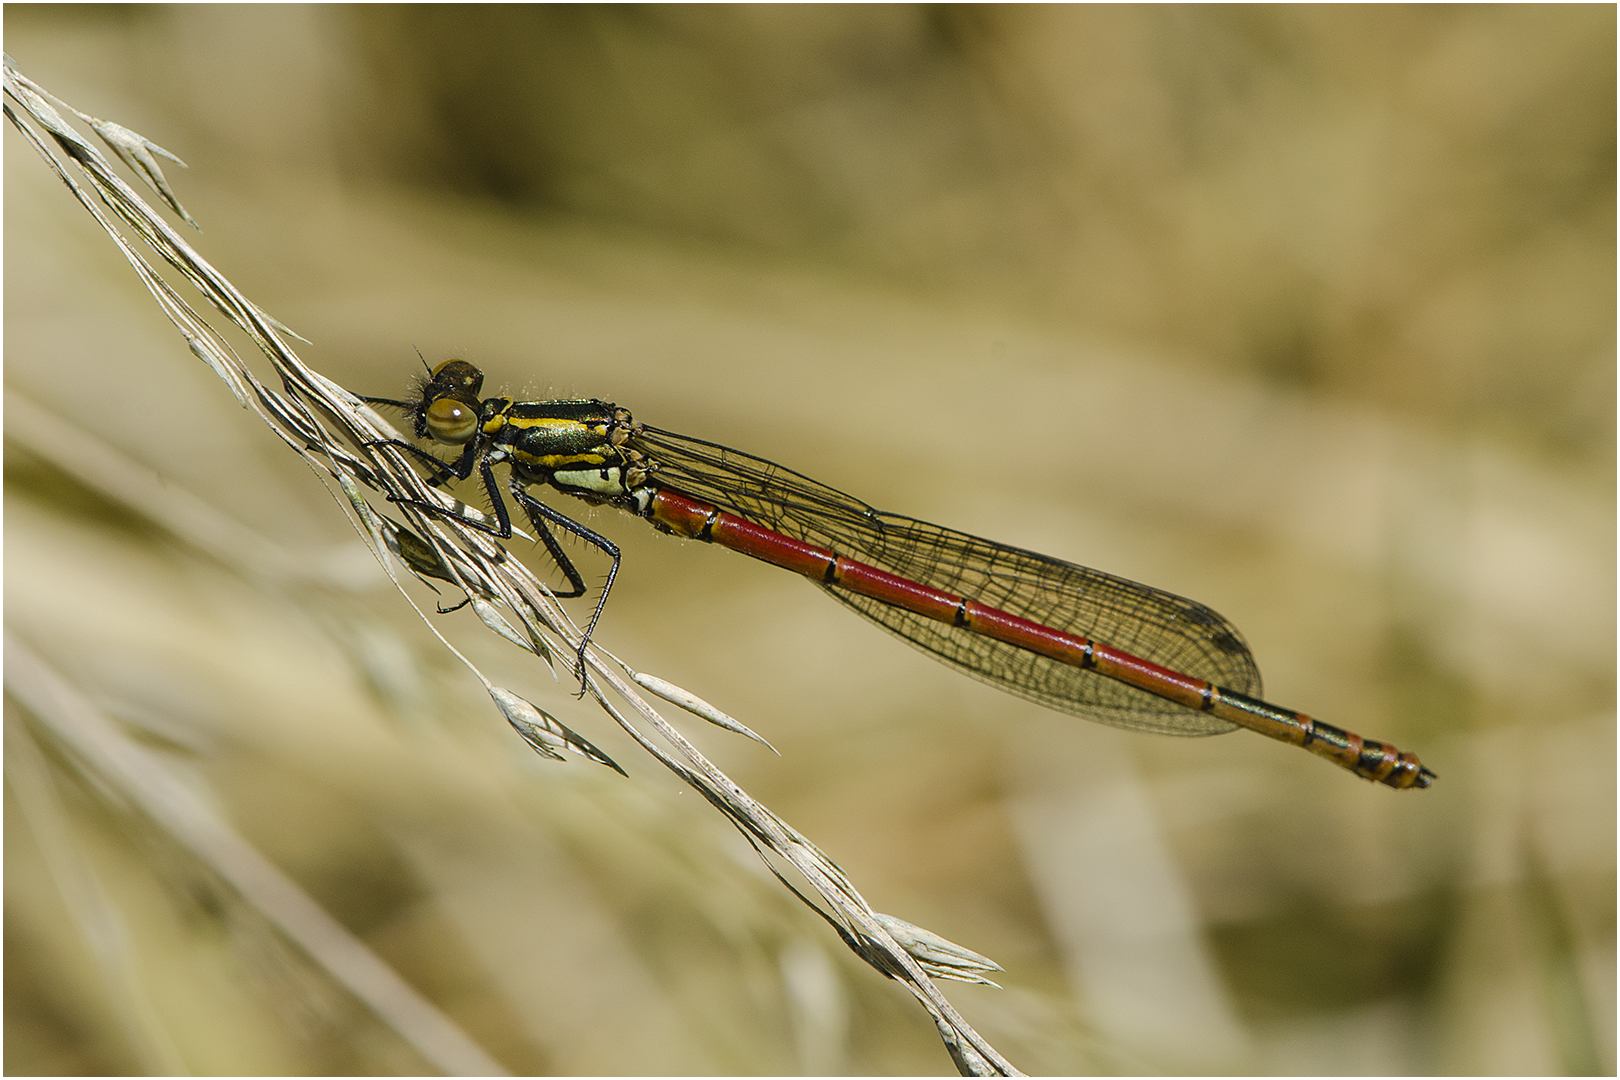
x: 1308, y: 313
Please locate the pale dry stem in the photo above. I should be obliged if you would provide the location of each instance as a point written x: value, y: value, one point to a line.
x: 342, y: 439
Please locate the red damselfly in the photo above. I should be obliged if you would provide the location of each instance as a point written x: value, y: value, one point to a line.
x: 1076, y: 640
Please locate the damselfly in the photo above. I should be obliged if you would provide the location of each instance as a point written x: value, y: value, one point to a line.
x: 1076, y: 640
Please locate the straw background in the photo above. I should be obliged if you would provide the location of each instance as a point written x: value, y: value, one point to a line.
x: 1307, y: 313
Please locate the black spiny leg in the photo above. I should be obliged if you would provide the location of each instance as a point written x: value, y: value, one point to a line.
x: 538, y: 510
x: 461, y: 468
x: 539, y: 515
x: 559, y: 556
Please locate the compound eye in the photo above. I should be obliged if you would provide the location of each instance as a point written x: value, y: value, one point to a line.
x: 451, y: 421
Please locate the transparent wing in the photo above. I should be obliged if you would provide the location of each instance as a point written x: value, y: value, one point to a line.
x: 1169, y: 630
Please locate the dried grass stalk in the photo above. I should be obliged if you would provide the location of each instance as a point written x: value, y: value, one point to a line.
x: 340, y: 438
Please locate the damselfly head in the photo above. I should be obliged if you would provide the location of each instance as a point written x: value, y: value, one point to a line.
x: 455, y: 378
x: 449, y: 408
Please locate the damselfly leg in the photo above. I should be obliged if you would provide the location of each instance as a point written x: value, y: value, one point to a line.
x: 483, y: 456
